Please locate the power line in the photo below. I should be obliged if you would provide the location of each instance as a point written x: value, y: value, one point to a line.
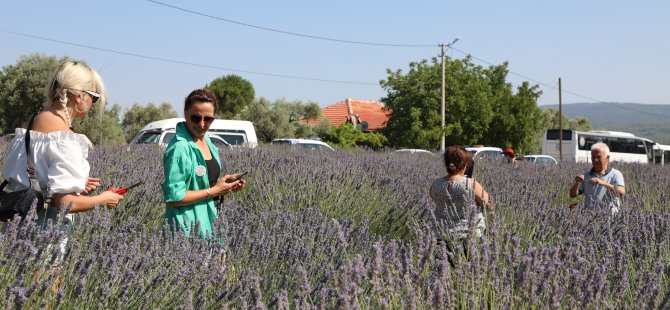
x: 388, y: 45
x: 289, y: 32
x: 307, y: 78
x: 188, y: 63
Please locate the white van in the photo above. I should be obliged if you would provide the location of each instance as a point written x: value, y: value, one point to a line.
x: 232, y: 132
x: 305, y: 144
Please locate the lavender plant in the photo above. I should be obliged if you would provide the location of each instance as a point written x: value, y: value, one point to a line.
x: 347, y: 230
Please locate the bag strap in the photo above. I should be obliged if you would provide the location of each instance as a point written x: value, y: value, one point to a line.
x: 31, y: 168
x: 26, y: 141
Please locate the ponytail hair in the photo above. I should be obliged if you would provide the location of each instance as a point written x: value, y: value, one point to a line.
x: 456, y: 158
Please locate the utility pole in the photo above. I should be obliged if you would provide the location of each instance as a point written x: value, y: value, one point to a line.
x: 560, y: 122
x: 442, y: 140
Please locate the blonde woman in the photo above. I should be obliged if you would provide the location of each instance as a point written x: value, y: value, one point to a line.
x: 58, y: 154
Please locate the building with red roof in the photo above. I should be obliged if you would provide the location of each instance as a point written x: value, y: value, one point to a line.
x: 368, y: 113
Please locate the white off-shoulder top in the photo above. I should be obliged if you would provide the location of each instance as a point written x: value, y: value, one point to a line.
x: 59, y: 157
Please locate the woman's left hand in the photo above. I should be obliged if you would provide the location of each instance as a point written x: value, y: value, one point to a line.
x: 91, y: 185
x: 239, y: 185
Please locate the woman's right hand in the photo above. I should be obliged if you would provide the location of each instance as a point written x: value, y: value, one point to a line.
x: 110, y: 199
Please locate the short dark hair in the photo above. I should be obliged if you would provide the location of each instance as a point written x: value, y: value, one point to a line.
x: 200, y: 95
x: 456, y: 158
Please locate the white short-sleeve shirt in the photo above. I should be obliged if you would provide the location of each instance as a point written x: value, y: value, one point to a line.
x: 60, y: 159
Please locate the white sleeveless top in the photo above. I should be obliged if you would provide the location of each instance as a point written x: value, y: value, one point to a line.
x: 59, y: 157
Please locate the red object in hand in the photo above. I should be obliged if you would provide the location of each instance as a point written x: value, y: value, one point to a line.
x: 124, y: 190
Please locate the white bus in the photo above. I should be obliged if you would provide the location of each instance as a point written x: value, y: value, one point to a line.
x: 662, y: 152
x: 624, y: 147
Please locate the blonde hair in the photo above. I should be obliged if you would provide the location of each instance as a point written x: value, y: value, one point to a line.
x: 74, y: 77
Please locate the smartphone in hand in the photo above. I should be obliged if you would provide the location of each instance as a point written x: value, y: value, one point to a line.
x: 239, y: 176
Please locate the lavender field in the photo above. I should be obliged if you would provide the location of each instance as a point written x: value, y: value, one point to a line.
x: 347, y: 230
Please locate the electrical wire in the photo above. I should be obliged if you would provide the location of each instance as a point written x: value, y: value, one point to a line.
x: 392, y: 45
x: 311, y: 78
x: 188, y: 63
x: 288, y: 32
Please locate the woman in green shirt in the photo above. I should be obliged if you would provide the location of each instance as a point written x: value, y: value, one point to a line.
x: 191, y: 164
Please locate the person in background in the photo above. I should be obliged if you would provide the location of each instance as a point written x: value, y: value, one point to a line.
x: 192, y: 169
x: 455, y: 195
x: 601, y: 184
x: 509, y: 156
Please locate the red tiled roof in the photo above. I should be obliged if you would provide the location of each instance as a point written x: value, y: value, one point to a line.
x: 365, y: 110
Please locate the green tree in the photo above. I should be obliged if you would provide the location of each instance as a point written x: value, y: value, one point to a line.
x: 233, y: 93
x: 413, y: 101
x: 551, y: 121
x: 270, y: 123
x: 516, y: 117
x: 22, y: 88
x: 280, y: 119
x: 139, y: 116
x: 312, y: 111
x: 295, y: 111
x: 302, y: 130
x: 346, y: 136
x: 324, y: 130
x: 581, y: 123
x: 109, y: 132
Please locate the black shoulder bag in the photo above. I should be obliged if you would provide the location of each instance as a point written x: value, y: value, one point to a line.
x: 20, y: 202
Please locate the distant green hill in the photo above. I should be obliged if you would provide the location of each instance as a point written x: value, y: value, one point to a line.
x: 651, y: 121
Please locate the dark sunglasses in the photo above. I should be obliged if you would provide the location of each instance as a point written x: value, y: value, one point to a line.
x: 196, y: 118
x: 94, y: 96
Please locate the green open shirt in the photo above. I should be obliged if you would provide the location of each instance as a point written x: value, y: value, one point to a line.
x: 179, y: 166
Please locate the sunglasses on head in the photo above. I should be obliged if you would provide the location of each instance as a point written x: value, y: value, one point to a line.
x: 196, y: 118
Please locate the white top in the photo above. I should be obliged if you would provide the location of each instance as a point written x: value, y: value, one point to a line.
x: 59, y: 157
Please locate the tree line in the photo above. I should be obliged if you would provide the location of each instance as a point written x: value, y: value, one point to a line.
x: 482, y: 107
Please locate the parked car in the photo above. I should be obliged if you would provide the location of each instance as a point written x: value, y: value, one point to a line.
x: 306, y: 144
x: 216, y: 140
x: 540, y: 159
x: 225, y: 132
x: 487, y: 152
x: 413, y: 152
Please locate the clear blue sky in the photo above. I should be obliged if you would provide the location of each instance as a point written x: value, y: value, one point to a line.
x: 614, y: 51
